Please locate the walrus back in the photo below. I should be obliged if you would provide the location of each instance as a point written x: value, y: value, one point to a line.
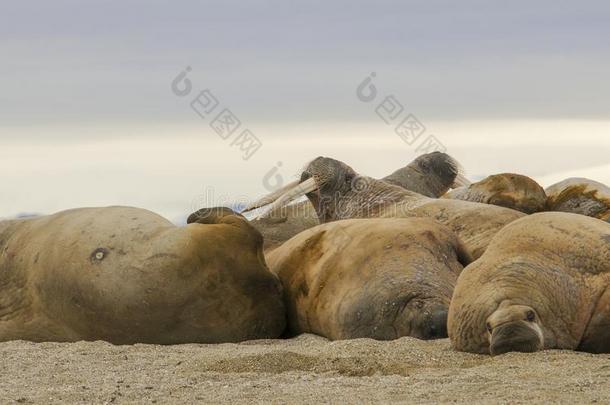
x: 475, y: 223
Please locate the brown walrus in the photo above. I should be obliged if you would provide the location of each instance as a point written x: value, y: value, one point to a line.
x: 508, y: 190
x: 126, y: 275
x: 336, y: 191
x: 580, y: 196
x: 543, y: 283
x: 370, y: 278
x: 431, y: 174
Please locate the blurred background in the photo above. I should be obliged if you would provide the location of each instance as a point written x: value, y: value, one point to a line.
x: 89, y: 116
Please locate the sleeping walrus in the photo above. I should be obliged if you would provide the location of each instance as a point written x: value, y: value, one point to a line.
x: 373, y: 278
x: 543, y: 283
x: 126, y: 275
x: 508, y: 190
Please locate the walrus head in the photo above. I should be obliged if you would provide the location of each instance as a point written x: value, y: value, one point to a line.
x: 333, y: 180
x: 418, y: 316
x: 428, y: 321
x: 514, y: 328
x: 337, y: 192
x: 431, y: 174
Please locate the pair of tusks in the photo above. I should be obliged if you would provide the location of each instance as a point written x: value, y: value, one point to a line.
x: 282, y: 197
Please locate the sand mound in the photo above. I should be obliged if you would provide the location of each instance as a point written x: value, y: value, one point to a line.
x: 304, y: 369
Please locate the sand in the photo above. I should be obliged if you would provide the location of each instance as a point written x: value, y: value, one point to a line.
x: 303, y: 369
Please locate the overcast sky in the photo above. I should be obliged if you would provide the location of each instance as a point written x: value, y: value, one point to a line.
x: 87, y: 115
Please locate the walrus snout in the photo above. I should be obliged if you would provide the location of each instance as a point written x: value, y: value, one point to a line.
x: 438, y: 325
x: 516, y: 336
x: 432, y: 325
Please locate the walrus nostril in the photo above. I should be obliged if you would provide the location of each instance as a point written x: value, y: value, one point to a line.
x: 514, y: 337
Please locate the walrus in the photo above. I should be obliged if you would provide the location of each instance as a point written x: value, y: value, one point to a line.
x: 370, y: 278
x: 336, y: 191
x: 431, y: 174
x: 580, y: 196
x: 127, y: 275
x: 508, y: 190
x: 543, y: 283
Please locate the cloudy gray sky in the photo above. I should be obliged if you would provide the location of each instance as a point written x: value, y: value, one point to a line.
x: 87, y: 116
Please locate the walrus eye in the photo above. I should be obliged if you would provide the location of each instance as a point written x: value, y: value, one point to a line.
x: 488, y: 327
x: 530, y: 316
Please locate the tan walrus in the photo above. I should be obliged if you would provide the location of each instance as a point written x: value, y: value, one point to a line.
x: 508, y: 190
x: 543, y: 283
x: 431, y: 175
x: 336, y: 191
x: 370, y: 278
x: 580, y: 196
x: 126, y: 275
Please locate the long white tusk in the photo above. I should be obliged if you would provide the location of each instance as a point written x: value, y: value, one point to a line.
x: 269, y: 198
x: 291, y: 195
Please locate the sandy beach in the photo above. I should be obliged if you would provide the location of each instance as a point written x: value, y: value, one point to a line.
x: 304, y: 369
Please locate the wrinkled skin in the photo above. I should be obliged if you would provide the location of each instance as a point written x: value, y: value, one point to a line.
x: 508, y: 190
x: 580, y: 196
x: 343, y: 194
x: 373, y: 278
x: 430, y: 174
x: 541, y: 284
x: 126, y: 275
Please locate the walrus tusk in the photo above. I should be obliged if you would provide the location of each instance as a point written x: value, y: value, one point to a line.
x: 269, y: 198
x: 291, y: 195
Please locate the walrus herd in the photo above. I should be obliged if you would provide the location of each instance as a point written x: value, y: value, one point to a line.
x: 497, y: 265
